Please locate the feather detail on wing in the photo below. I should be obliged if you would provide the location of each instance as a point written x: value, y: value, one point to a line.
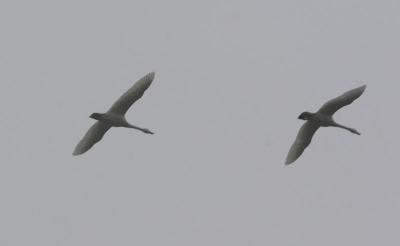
x: 330, y: 107
x: 132, y: 95
x: 303, y: 139
x: 92, y: 136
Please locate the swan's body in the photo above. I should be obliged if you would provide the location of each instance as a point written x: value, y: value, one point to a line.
x: 322, y: 118
x: 115, y: 116
x: 116, y: 120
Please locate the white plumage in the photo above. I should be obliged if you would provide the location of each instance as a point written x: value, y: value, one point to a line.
x: 115, y: 116
x: 322, y: 118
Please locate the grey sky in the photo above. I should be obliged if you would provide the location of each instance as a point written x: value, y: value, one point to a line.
x: 231, y: 79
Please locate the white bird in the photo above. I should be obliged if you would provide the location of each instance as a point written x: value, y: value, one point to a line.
x: 115, y: 116
x: 323, y: 117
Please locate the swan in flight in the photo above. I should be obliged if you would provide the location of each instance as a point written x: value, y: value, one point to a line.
x: 115, y: 116
x: 322, y: 118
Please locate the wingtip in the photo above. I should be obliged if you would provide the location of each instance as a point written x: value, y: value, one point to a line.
x: 288, y: 160
x: 75, y: 153
x: 151, y: 75
x: 287, y: 163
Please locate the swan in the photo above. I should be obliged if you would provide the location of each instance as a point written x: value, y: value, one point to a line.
x: 322, y: 118
x: 115, y: 116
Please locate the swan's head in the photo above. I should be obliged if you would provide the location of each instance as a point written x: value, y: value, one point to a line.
x: 305, y: 116
x: 95, y: 116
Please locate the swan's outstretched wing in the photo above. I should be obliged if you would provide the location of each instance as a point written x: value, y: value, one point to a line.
x: 303, y: 139
x: 346, y: 98
x: 132, y: 95
x: 92, y: 136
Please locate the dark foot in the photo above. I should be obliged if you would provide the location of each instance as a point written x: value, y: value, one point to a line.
x: 147, y: 131
x: 354, y: 131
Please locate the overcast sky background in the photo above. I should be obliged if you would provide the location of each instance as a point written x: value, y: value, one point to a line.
x: 231, y: 79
